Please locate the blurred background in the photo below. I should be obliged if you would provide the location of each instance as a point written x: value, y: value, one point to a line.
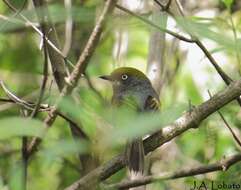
x: 179, y: 71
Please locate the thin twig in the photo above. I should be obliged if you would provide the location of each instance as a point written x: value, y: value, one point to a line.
x: 13, y: 97
x: 227, y: 125
x: 26, y: 104
x: 222, y: 165
x: 28, y: 22
x: 164, y: 7
x: 195, y: 40
x: 183, y: 38
x: 45, y: 108
x: 72, y: 80
x: 45, y: 76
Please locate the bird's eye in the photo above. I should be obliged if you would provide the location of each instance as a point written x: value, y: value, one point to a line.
x: 124, y: 77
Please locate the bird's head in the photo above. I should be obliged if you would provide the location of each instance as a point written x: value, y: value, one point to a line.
x: 127, y: 78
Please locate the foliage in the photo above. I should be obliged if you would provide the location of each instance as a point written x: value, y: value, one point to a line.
x: 56, y: 164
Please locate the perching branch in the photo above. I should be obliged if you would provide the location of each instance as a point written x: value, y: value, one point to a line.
x: 182, y: 124
x: 222, y: 165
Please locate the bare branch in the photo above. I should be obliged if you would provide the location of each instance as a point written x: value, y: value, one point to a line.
x: 68, y: 28
x: 227, y: 125
x: 71, y: 82
x: 156, y: 62
x: 57, y: 62
x: 45, y: 108
x: 195, y: 39
x: 29, y: 23
x: 183, y: 38
x: 222, y: 165
x: 45, y: 78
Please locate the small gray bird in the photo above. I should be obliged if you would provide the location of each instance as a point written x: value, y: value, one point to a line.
x: 131, y: 84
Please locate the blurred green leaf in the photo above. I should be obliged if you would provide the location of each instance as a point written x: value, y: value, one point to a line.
x: 228, y: 3
x: 17, y: 126
x: 203, y: 30
x: 16, y: 177
x: 128, y: 124
x: 65, y: 148
x: 58, y: 14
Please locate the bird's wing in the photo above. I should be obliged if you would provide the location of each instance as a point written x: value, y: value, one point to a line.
x: 152, y: 104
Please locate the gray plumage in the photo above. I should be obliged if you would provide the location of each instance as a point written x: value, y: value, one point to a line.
x: 131, y: 84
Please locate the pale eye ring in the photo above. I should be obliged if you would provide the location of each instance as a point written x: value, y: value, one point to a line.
x: 124, y: 77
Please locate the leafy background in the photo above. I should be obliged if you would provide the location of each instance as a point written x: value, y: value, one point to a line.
x: 56, y: 164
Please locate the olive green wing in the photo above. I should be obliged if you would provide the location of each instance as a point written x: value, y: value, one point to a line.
x: 152, y: 104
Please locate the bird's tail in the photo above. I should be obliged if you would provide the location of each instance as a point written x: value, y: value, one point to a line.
x: 135, y: 160
x: 135, y: 156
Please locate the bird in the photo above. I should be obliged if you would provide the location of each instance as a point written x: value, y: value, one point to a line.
x: 131, y: 84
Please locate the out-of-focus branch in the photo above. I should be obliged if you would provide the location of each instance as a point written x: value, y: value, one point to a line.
x: 42, y: 107
x: 45, y: 77
x: 33, y: 25
x: 68, y: 28
x: 195, y: 40
x: 72, y: 80
x: 25, y: 114
x: 187, y: 121
x: 156, y: 55
x: 222, y: 165
x: 57, y: 63
x: 183, y: 38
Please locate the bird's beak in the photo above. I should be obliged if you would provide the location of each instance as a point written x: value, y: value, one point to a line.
x: 105, y: 77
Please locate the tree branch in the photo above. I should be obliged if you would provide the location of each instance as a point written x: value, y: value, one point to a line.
x: 72, y: 80
x: 238, y: 141
x: 222, y: 165
x: 183, y: 38
x: 29, y: 23
x: 156, y: 62
x: 195, y: 40
x: 47, y: 27
x: 182, y: 124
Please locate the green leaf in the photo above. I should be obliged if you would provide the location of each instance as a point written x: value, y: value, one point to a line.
x: 58, y: 14
x: 65, y: 148
x: 16, y: 177
x: 128, y: 125
x: 203, y: 30
x: 228, y: 3
x: 17, y: 126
